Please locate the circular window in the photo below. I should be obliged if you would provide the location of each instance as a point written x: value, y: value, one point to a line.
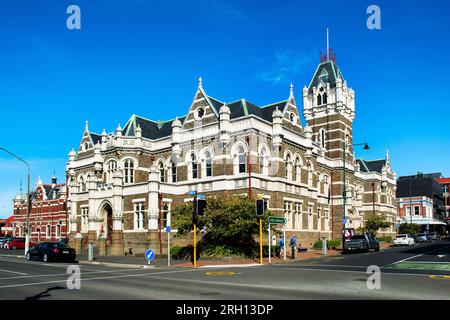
x: 199, y: 113
x: 293, y: 118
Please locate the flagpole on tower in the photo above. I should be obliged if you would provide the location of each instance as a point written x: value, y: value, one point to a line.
x: 328, y: 44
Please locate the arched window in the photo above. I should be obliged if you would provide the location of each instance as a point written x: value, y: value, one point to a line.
x: 242, y: 163
x: 162, y: 173
x: 173, y: 167
x: 129, y: 171
x: 208, y: 164
x: 58, y: 231
x: 194, y: 166
x: 81, y: 184
x: 309, y: 168
x: 319, y: 99
x: 297, y: 170
x: 111, y: 167
x: 324, y: 98
x: 322, y: 138
x: 288, y: 169
x: 326, y: 185
x: 48, y: 231
x: 263, y: 162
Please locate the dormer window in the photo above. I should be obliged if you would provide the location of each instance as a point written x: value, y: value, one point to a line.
x: 293, y: 118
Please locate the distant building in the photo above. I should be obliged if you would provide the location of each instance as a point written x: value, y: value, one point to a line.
x: 7, y: 226
x: 420, y: 201
x: 445, y: 183
x: 48, y: 216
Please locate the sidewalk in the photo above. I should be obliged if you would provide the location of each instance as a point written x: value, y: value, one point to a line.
x: 126, y: 261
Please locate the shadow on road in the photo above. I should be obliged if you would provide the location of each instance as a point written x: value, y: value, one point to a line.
x: 44, y: 294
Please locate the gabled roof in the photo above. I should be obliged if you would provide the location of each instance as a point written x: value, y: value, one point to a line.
x: 150, y: 129
x: 95, y: 138
x: 371, y: 166
x: 243, y: 107
x: 330, y: 71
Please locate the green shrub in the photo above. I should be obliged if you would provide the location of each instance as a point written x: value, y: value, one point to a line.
x: 175, y: 251
x: 220, y: 251
x: 330, y: 244
x: 385, y: 239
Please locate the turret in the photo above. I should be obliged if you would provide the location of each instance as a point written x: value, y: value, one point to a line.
x: 225, y: 114
x: 277, y: 120
x: 176, y: 137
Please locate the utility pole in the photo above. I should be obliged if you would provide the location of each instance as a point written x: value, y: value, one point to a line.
x: 27, y: 237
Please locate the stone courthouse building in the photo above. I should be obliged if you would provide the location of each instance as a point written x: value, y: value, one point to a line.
x: 124, y: 185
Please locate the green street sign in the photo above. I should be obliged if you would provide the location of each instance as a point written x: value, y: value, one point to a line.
x: 277, y: 220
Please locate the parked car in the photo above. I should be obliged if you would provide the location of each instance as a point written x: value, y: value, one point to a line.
x: 422, y: 237
x: 404, y: 240
x: 51, y: 251
x: 364, y: 242
x: 3, y: 241
x: 17, y: 243
x: 434, y: 236
x: 64, y: 240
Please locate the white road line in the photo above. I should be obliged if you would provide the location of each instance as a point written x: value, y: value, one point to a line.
x: 98, y: 278
x: 429, y: 252
x: 23, y: 274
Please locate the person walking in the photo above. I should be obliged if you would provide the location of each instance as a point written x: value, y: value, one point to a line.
x: 281, y: 246
x: 293, y: 243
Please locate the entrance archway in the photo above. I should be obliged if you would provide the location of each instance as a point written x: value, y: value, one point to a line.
x: 107, y: 225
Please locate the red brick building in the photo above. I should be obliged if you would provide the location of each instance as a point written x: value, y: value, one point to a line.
x: 48, y: 216
x: 445, y: 183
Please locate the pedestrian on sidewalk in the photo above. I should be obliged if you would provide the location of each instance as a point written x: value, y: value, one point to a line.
x: 293, y: 243
x: 281, y: 245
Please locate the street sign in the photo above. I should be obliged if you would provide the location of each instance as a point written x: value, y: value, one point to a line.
x: 277, y: 220
x: 201, y: 197
x: 344, y: 221
x: 168, y: 229
x: 192, y: 193
x: 149, y: 254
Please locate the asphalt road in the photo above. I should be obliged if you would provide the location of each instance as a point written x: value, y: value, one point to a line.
x: 406, y: 273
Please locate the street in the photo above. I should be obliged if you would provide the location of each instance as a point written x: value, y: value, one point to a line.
x: 418, y: 272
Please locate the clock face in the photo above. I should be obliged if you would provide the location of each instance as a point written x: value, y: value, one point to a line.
x: 199, y: 113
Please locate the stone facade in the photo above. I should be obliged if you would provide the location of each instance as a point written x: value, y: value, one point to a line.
x: 123, y: 185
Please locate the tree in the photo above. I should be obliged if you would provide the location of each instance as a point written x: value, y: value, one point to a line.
x: 229, y: 222
x: 375, y: 222
x: 408, y: 228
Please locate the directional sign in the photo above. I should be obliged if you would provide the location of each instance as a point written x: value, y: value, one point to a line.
x: 149, y: 254
x: 192, y: 193
x: 344, y: 221
x: 168, y: 229
x: 201, y: 197
x: 277, y: 220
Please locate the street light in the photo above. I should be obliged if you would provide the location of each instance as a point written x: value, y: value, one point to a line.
x: 344, y: 193
x: 27, y: 237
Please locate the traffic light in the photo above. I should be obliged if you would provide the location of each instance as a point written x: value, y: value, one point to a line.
x: 199, y: 209
x: 261, y: 207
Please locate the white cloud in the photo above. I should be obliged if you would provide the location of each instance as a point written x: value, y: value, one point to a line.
x: 286, y: 63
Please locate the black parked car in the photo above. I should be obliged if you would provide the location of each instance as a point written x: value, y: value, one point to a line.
x: 52, y: 251
x: 363, y: 242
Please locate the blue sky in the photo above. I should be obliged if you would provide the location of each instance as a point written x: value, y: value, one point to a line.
x: 144, y: 57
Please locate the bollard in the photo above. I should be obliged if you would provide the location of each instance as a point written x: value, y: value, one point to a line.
x: 324, y: 247
x: 90, y: 251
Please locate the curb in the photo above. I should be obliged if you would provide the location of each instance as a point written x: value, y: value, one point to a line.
x: 12, y: 255
x: 117, y: 265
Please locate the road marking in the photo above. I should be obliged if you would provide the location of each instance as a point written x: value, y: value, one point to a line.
x: 220, y: 273
x: 415, y: 256
x: 23, y: 274
x: 98, y: 278
x: 440, y: 277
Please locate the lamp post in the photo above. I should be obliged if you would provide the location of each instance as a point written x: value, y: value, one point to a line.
x: 344, y: 192
x: 27, y: 237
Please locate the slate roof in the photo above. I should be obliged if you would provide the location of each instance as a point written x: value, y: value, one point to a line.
x: 161, y: 129
x: 150, y: 129
x: 328, y: 69
x: 371, y: 166
x: 95, y: 138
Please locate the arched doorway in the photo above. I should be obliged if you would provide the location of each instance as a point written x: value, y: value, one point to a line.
x: 107, y: 225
